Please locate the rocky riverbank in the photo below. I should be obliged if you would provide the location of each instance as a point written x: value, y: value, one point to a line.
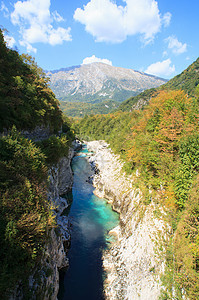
x: 44, y: 280
x: 55, y: 258
x: 134, y: 263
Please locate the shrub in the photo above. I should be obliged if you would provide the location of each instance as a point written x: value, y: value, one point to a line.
x: 25, y: 213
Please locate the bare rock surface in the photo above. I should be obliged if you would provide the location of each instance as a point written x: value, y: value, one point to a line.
x: 101, y: 80
x: 135, y: 262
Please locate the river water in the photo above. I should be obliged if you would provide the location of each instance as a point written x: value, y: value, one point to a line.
x: 91, y: 220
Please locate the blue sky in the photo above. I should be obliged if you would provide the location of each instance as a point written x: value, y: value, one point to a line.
x: 159, y: 37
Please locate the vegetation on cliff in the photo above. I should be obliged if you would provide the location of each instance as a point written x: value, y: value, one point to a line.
x: 26, y: 100
x: 26, y: 215
x: 162, y: 143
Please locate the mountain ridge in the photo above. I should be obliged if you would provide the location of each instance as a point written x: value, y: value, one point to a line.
x: 94, y: 85
x: 100, y: 79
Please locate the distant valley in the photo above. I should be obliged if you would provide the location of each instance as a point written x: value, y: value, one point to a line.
x: 99, y: 87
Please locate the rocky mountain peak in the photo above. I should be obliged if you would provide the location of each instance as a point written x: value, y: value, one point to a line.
x: 99, y: 80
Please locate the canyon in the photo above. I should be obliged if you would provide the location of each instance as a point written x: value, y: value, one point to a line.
x: 44, y: 279
x: 135, y: 262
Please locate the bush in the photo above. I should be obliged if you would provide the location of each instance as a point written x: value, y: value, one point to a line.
x: 54, y: 148
x: 25, y: 213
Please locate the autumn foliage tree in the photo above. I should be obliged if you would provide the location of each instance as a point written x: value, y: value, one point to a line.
x: 162, y: 142
x: 157, y: 139
x: 25, y: 97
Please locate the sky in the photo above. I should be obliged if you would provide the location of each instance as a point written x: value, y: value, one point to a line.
x: 159, y: 37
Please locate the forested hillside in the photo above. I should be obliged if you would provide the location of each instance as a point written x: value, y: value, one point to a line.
x: 26, y: 215
x: 26, y: 100
x: 187, y: 81
x: 161, y: 144
x: 77, y: 110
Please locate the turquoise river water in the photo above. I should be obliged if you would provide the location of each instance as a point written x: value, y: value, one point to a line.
x: 91, y: 220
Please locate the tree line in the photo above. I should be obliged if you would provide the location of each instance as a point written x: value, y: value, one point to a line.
x: 162, y: 143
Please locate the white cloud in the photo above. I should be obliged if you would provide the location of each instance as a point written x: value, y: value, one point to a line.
x: 4, y: 9
x: 161, y: 68
x: 57, y: 36
x: 93, y: 58
x: 165, y: 53
x: 176, y: 46
x: 166, y: 19
x: 108, y: 22
x: 36, y: 24
x: 28, y: 46
x: 57, y: 17
x: 10, y: 41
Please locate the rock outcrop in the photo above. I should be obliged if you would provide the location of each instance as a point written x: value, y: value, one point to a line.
x: 136, y: 261
x: 39, y: 133
x: 55, y: 257
x: 44, y: 280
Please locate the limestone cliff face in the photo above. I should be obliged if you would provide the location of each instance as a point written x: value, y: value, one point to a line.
x: 136, y: 261
x: 55, y: 257
x: 44, y: 281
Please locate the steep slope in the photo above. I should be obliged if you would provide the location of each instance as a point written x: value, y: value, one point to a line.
x: 187, y: 81
x: 26, y: 100
x: 160, y: 150
x: 33, y: 175
x: 98, y: 82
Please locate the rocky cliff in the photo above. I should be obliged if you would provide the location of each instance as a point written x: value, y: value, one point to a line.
x: 134, y: 263
x: 44, y: 281
x: 55, y: 257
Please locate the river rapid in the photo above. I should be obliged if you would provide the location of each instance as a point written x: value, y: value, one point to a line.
x: 91, y: 219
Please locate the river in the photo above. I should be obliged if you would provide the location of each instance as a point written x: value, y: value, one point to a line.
x: 91, y: 220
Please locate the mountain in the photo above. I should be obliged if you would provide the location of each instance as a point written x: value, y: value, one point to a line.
x: 98, y: 83
x: 186, y: 81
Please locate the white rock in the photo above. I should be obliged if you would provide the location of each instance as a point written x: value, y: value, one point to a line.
x: 133, y: 264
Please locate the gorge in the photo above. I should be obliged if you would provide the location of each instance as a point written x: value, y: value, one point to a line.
x: 130, y: 266
x: 134, y: 263
x: 91, y: 220
x: 144, y: 159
